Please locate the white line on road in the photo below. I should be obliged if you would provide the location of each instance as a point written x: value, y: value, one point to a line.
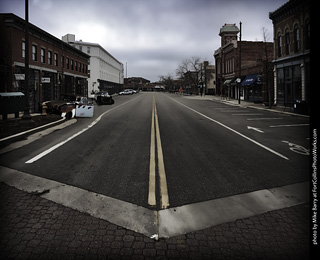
x: 246, y: 114
x: 229, y: 128
x: 264, y: 118
x: 39, y: 156
x: 289, y: 125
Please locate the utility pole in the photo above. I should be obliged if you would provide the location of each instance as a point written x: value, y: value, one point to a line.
x: 26, y: 114
x: 239, y: 64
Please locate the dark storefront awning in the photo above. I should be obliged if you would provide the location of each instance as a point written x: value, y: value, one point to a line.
x: 251, y: 80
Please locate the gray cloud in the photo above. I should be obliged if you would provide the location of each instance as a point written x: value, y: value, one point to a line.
x: 152, y: 36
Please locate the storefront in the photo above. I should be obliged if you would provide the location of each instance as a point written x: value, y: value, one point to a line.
x: 253, y: 88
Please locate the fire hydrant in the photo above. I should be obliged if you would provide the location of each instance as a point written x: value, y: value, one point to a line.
x: 44, y: 109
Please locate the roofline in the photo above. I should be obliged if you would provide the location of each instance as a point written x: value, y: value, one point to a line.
x: 96, y: 45
x: 38, y: 29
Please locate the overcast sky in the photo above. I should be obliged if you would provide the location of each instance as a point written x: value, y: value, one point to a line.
x: 151, y: 36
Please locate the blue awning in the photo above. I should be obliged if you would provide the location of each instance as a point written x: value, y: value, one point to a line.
x: 251, y: 80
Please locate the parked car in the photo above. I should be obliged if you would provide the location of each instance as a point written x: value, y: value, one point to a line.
x: 126, y: 92
x: 103, y: 98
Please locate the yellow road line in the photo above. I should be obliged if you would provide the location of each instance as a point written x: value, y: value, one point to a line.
x: 162, y: 173
x: 152, y: 166
x: 155, y: 134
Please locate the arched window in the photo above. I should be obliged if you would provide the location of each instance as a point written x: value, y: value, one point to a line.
x: 287, y: 42
x: 296, y: 37
x: 307, y: 34
x: 279, y: 44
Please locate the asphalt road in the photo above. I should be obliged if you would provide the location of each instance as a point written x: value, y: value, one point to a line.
x: 209, y: 149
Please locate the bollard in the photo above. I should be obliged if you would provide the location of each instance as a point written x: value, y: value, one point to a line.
x: 44, y: 109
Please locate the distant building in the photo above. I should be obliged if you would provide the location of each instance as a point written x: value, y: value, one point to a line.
x: 291, y: 31
x: 55, y: 68
x: 255, y: 67
x: 210, y: 78
x: 138, y: 83
x: 106, y: 72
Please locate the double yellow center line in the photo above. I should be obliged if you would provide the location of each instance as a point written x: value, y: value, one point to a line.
x: 155, y: 139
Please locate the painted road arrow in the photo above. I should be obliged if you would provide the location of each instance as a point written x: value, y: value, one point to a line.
x: 255, y: 129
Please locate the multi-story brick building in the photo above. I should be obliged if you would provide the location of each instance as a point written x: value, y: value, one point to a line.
x: 55, y: 67
x: 291, y: 32
x: 256, y: 59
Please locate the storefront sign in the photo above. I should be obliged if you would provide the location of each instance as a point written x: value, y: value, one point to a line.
x: 45, y: 80
x: 19, y: 76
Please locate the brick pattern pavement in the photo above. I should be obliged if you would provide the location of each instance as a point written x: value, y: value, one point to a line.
x: 34, y: 228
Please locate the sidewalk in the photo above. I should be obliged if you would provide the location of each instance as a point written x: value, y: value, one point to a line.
x: 35, y: 228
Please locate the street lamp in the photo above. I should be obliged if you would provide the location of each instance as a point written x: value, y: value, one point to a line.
x: 26, y: 112
x: 239, y: 63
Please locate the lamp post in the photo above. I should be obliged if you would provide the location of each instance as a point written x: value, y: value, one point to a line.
x: 239, y: 65
x: 26, y: 112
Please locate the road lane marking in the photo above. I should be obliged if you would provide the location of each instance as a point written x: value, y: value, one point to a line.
x: 264, y: 118
x: 255, y: 129
x: 289, y: 125
x: 152, y: 167
x: 39, y: 156
x: 164, y: 197
x: 246, y: 114
x: 155, y: 135
x: 236, y: 132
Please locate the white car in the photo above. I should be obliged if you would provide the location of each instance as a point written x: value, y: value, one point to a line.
x: 126, y: 92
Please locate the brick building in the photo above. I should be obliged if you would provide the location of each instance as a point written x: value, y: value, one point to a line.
x: 256, y: 66
x: 55, y: 67
x: 291, y: 31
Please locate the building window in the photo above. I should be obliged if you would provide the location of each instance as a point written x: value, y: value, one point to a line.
x: 43, y: 55
x: 62, y: 61
x: 34, y: 52
x: 67, y: 61
x: 279, y: 44
x: 71, y: 64
x: 307, y: 36
x: 287, y: 42
x: 80, y: 48
x: 76, y: 65
x: 55, y: 59
x: 50, y: 57
x: 79, y: 66
x: 23, y: 49
x: 88, y: 50
x: 296, y: 38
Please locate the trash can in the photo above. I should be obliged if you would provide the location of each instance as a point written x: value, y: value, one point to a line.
x: 300, y: 107
x: 11, y: 103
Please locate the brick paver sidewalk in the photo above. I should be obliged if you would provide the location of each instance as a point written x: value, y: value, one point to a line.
x: 35, y: 228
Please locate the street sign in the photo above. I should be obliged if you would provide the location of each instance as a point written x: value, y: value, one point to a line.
x: 45, y: 80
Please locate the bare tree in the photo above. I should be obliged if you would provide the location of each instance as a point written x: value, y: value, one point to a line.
x: 191, y: 70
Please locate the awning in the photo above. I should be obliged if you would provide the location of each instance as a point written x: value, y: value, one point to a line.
x: 251, y: 80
